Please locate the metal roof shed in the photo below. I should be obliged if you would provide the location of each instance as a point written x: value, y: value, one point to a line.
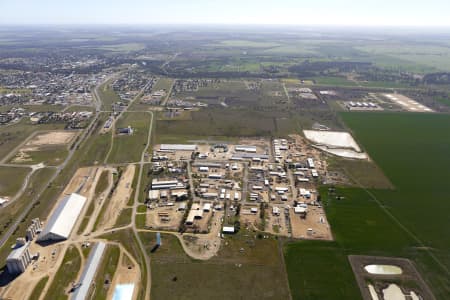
x: 60, y: 224
x: 89, y: 272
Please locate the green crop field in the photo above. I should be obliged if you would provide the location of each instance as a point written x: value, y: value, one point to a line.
x: 319, y: 270
x: 255, y: 274
x: 409, y: 221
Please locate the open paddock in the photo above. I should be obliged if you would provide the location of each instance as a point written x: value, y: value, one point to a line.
x: 44, y: 147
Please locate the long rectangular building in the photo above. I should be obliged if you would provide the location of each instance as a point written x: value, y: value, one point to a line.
x: 60, y: 224
x: 177, y: 147
x: 89, y: 271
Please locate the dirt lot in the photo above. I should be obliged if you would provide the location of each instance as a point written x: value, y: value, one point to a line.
x: 164, y: 218
x: 315, y: 219
x: 248, y: 219
x: 119, y: 199
x: 276, y: 224
x: 51, y: 138
x: 204, y: 246
x: 47, y: 264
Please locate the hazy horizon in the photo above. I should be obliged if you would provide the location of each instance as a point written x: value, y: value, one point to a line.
x: 345, y: 13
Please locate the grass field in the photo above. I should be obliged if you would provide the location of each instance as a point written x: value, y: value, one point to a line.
x: 246, y: 44
x: 66, y: 274
x: 229, y: 123
x: 163, y: 84
x: 256, y: 273
x: 417, y: 57
x: 361, y: 172
x: 128, y: 148
x: 124, y: 217
x: 335, y: 81
x: 11, y: 180
x: 37, y: 291
x: 108, y: 96
x: 49, y: 155
x: 102, y: 183
x: 237, y: 94
x: 98, y: 145
x: 12, y: 136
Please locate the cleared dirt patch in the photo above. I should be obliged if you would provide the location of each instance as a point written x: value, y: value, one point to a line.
x: 51, y: 138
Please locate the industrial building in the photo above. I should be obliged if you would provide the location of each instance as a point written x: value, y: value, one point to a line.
x: 34, y: 229
x: 95, y: 257
x: 19, y: 258
x: 177, y: 147
x: 60, y: 224
x: 228, y: 229
x: 194, y: 213
x: 167, y: 184
x: 245, y: 148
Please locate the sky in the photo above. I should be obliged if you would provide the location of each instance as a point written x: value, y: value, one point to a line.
x: 277, y: 12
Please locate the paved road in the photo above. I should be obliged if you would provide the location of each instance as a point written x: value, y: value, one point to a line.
x: 136, y: 204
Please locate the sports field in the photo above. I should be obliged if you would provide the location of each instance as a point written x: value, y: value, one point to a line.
x: 410, y: 221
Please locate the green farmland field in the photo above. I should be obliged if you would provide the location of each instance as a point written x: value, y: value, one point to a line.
x: 409, y: 221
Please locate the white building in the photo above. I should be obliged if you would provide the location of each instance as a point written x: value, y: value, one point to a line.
x: 245, y: 148
x: 153, y: 195
x: 19, y: 259
x: 310, y: 162
x: 167, y: 184
x: 177, y: 147
x: 228, y: 229
x: 215, y: 176
x: 90, y: 269
x: 60, y: 224
x: 207, y: 207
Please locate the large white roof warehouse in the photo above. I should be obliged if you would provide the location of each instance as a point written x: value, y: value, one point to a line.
x: 60, y: 224
x: 177, y: 147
